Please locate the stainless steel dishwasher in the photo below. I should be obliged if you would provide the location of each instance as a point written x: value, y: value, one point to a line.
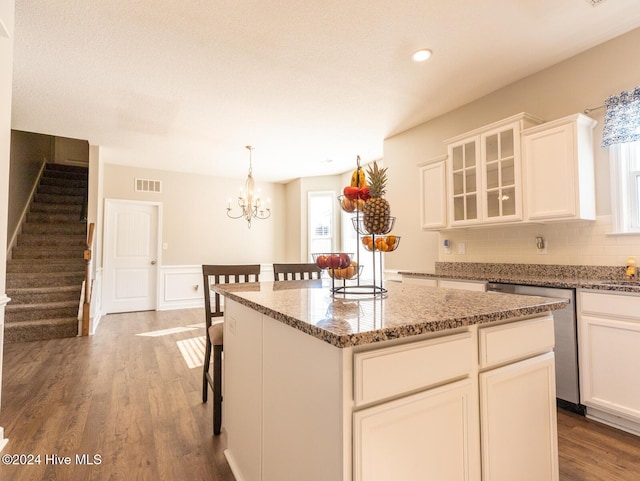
x: 566, y: 348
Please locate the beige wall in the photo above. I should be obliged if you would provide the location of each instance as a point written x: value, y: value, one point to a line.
x: 569, y: 87
x: 28, y: 153
x: 195, y: 225
x: 6, y: 69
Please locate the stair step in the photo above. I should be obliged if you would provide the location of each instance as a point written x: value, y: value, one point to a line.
x: 49, y: 228
x: 59, y: 199
x: 67, y: 168
x: 72, y: 209
x: 63, y: 181
x: 41, y: 329
x: 33, y: 312
x: 61, y: 190
x: 45, y: 265
x: 61, y: 174
x: 51, y: 279
x: 52, y: 240
x: 54, y: 217
x: 44, y: 252
x: 38, y: 295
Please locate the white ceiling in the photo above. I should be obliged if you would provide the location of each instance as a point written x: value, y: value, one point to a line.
x: 185, y: 84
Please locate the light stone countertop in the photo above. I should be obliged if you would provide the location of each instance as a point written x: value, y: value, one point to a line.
x: 407, y: 310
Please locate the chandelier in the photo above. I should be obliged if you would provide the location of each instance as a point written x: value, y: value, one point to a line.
x: 249, y: 201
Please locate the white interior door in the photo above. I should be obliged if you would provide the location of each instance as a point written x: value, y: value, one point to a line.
x: 131, y: 256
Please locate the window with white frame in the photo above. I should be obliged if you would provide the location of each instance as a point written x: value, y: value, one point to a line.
x: 621, y: 134
x: 320, y: 214
x: 625, y: 187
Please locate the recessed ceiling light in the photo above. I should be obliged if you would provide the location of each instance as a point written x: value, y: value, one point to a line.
x: 422, y: 55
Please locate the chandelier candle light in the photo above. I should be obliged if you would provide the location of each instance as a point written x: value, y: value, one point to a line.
x: 249, y: 201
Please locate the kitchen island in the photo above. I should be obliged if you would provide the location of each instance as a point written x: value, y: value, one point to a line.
x: 424, y: 383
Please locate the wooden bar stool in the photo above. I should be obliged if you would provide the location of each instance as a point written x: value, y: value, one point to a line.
x: 292, y: 272
x: 219, y: 274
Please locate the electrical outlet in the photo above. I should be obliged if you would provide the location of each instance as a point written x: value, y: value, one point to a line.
x: 462, y: 248
x: 543, y: 250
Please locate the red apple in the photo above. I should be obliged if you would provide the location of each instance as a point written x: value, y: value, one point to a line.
x: 334, y: 261
x: 345, y: 260
x: 322, y: 262
x: 350, y: 193
x: 363, y: 193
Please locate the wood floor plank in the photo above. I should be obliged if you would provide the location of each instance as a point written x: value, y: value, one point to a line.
x: 133, y: 401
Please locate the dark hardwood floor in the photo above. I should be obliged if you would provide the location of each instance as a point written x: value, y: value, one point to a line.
x: 133, y: 401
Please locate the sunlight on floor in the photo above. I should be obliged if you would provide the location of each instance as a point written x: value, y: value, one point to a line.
x: 192, y: 351
x: 166, y: 332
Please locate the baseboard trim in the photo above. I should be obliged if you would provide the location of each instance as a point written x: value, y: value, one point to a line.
x: 233, y: 465
x: 613, y: 420
x: 3, y: 441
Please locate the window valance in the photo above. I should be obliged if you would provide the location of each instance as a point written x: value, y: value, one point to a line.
x: 622, y: 120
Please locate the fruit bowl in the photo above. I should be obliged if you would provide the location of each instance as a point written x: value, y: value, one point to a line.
x: 360, y: 226
x: 332, y: 260
x: 351, y: 205
x: 386, y: 243
x: 346, y: 273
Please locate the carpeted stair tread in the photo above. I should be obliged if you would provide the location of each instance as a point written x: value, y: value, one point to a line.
x: 48, y: 228
x: 53, y: 208
x: 45, y: 265
x: 43, y: 252
x: 53, y: 217
x: 63, y: 181
x: 32, y: 312
x: 52, y: 240
x: 41, y: 329
x: 59, y: 199
x: 39, y: 295
x: 61, y: 190
x: 17, y: 280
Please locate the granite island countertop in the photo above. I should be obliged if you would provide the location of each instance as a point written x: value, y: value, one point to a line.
x: 406, y: 310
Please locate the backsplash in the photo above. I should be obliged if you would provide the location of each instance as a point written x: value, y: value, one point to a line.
x: 567, y: 243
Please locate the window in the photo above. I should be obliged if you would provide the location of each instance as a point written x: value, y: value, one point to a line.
x: 321, y: 208
x: 625, y: 187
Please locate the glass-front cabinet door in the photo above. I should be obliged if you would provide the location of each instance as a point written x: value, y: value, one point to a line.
x: 464, y: 182
x: 501, y: 174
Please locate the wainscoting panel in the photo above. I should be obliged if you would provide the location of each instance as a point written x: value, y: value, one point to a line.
x: 181, y: 286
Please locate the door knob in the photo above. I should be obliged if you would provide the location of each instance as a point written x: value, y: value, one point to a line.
x: 153, y: 263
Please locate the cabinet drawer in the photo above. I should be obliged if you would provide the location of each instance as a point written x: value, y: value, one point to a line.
x: 388, y: 372
x: 610, y: 304
x: 516, y: 340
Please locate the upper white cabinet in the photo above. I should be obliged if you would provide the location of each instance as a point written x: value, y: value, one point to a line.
x: 484, y: 173
x: 433, y: 202
x: 558, y: 170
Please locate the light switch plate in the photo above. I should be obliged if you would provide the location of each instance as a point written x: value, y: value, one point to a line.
x: 462, y: 248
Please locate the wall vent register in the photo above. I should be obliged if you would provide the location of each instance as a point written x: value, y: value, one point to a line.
x: 146, y: 185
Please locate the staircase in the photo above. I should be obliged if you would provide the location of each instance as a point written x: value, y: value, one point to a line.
x: 46, y: 269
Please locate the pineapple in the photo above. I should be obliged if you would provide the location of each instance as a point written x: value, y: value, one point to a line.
x: 376, y: 209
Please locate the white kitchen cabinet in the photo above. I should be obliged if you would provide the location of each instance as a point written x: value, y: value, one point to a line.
x: 433, y: 200
x: 558, y: 169
x: 518, y: 419
x: 484, y: 173
x: 609, y: 347
x: 429, y: 435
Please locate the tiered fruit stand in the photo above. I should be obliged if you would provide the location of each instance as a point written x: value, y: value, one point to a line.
x: 381, y: 241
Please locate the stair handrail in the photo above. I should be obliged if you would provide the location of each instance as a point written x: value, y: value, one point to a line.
x: 86, y: 306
